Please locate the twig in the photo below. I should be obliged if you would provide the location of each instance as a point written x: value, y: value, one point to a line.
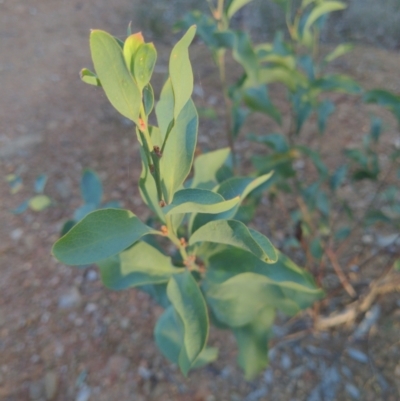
x: 339, y: 272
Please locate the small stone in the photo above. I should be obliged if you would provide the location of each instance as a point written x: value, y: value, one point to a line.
x: 36, y: 390
x: 357, y: 355
x: 83, y: 393
x: 144, y: 373
x: 50, y: 385
x: 124, y: 323
x: 269, y: 376
x: 367, y: 239
x: 286, y: 362
x: 70, y: 299
x: 353, y: 391
x: 90, y: 308
x: 16, y: 234
x: 91, y: 275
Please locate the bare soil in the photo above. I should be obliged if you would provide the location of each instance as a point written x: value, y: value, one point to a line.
x: 101, y: 347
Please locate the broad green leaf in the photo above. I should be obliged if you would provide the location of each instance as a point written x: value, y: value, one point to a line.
x: 237, y: 301
x: 148, y: 99
x: 169, y: 336
x: 257, y: 99
x: 290, y: 78
x: 178, y: 155
x: 229, y: 189
x: 39, y: 203
x: 244, y: 54
x: 89, y: 77
x: 116, y: 80
x: 190, y: 306
x: 130, y: 49
x: 206, y: 167
x: 144, y: 62
x: 40, y: 183
x: 142, y: 264
x: 336, y: 83
x: 339, y: 51
x: 100, y: 235
x: 84, y: 210
x: 180, y: 71
x: 235, y: 233
x: 193, y: 200
x: 234, y: 6
x: 165, y: 108
x: 91, y: 187
x: 252, y: 341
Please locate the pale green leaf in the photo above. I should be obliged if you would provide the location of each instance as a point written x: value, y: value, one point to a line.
x: 235, y: 233
x: 180, y: 71
x: 322, y: 9
x: 116, y: 80
x: 148, y: 99
x: 339, y: 51
x: 142, y: 264
x: 145, y: 60
x: 165, y: 108
x: 130, y: 48
x: 89, y: 77
x: 235, y: 6
x: 100, y: 235
x: 190, y: 306
x: 39, y: 203
x: 194, y: 200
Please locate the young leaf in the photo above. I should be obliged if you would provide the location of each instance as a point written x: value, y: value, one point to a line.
x: 100, y: 235
x: 39, y: 203
x: 177, y: 159
x: 117, y: 81
x: 142, y: 264
x: 190, y: 306
x: 194, y: 200
x: 89, y: 77
x: 144, y: 62
x: 339, y: 51
x: 169, y: 336
x: 252, y: 341
x: 130, y: 48
x: 165, y: 108
x: 206, y: 168
x: 91, y: 187
x: 234, y: 6
x: 235, y: 233
x: 322, y: 9
x: 245, y: 55
x: 148, y: 99
x: 180, y: 71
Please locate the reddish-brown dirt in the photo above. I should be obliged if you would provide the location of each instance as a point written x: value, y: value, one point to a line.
x: 101, y: 346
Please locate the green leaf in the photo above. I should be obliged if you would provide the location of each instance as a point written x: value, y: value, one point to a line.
x: 169, y: 336
x: 316, y: 249
x: 39, y: 203
x: 245, y: 55
x: 397, y: 265
x: 252, y: 341
x: 342, y: 233
x: 325, y: 109
x: 193, y: 200
x: 117, y: 82
x: 234, y: 6
x: 91, y: 187
x: 180, y: 71
x: 336, y: 83
x: 67, y: 226
x: 40, y: 183
x: 100, y: 235
x: 338, y: 177
x: 23, y: 207
x: 206, y: 167
x: 190, y: 306
x: 177, y: 159
x: 237, y: 301
x: 376, y: 216
x: 276, y: 142
x: 148, y: 99
x: 142, y: 264
x: 130, y: 49
x: 165, y: 108
x: 144, y: 62
x: 235, y: 233
x: 386, y: 99
x: 257, y: 99
x: 339, y: 51
x: 89, y: 77
x: 229, y: 189
x: 324, y: 8
x: 84, y: 210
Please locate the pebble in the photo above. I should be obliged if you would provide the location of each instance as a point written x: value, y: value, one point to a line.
x: 90, y: 308
x: 353, y: 391
x: 91, y: 275
x: 16, y: 234
x: 83, y: 393
x: 144, y: 373
x: 257, y: 394
x: 286, y: 362
x: 70, y: 299
x: 36, y: 390
x: 269, y: 376
x: 357, y: 355
x: 50, y: 385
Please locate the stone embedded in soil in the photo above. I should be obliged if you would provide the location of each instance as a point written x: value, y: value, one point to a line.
x: 50, y: 385
x: 70, y: 299
x: 357, y: 355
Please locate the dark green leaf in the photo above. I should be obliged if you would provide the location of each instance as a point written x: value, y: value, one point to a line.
x: 40, y: 183
x: 325, y: 109
x: 100, y: 235
x: 338, y: 177
x: 91, y: 187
